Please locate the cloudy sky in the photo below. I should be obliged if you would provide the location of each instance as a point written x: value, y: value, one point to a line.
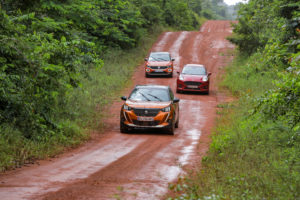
x: 232, y: 2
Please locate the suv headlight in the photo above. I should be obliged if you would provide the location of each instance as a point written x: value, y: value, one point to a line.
x: 205, y: 78
x: 166, y: 109
x: 126, y: 107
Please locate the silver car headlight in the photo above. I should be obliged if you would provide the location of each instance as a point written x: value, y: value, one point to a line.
x: 166, y: 109
x: 205, y: 78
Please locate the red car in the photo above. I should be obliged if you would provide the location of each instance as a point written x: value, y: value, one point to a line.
x: 159, y: 63
x: 193, y: 78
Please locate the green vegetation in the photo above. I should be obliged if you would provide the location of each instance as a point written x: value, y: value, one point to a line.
x: 255, y: 153
x: 61, y: 62
x: 211, y: 9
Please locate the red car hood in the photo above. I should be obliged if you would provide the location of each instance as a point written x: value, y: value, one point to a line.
x: 194, y: 78
x: 147, y: 104
x: 159, y: 63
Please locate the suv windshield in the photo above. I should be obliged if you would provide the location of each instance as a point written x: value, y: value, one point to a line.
x: 149, y: 94
x: 194, y: 70
x: 159, y: 57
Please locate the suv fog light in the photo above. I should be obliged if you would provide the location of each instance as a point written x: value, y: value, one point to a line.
x: 169, y: 70
x: 147, y: 70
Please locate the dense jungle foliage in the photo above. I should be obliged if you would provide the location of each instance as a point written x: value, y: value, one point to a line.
x: 61, y: 59
x: 255, y: 153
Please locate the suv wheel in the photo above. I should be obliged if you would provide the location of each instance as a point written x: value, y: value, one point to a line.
x: 123, y: 128
x: 177, y: 123
x: 171, y: 129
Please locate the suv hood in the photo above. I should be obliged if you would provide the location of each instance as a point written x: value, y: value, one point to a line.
x: 147, y: 104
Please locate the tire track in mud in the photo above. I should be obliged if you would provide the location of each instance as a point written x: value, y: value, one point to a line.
x: 162, y: 41
x: 175, y: 49
x: 138, y: 165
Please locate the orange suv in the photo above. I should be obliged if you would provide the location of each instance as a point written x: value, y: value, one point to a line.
x: 150, y: 106
x: 159, y: 63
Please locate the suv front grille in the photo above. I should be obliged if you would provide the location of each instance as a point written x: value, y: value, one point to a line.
x: 158, y: 67
x: 145, y: 123
x: 148, y: 112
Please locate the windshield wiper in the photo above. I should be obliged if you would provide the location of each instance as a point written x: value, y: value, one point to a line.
x: 159, y: 59
x: 159, y: 99
x: 144, y: 96
x: 153, y: 59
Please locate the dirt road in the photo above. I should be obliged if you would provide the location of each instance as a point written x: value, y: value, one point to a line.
x: 138, y: 165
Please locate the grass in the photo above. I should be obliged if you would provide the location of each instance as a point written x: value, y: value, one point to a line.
x: 250, y: 157
x: 16, y: 151
x: 243, y: 77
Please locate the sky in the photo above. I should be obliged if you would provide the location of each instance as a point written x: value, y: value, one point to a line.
x: 232, y: 2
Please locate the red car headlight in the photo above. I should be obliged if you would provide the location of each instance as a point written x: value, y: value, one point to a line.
x: 181, y: 78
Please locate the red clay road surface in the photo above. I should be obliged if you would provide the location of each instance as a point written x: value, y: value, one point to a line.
x: 138, y: 165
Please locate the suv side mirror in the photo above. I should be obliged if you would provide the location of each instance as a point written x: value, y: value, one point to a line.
x: 173, y: 59
x: 209, y: 73
x: 146, y: 59
x: 176, y: 100
x: 124, y: 98
x: 178, y: 72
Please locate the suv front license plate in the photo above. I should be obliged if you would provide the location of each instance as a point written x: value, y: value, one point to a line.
x: 159, y: 70
x: 146, y: 119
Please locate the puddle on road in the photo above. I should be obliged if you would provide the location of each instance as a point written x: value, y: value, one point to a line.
x: 142, y: 190
x: 187, y: 151
x: 220, y: 44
